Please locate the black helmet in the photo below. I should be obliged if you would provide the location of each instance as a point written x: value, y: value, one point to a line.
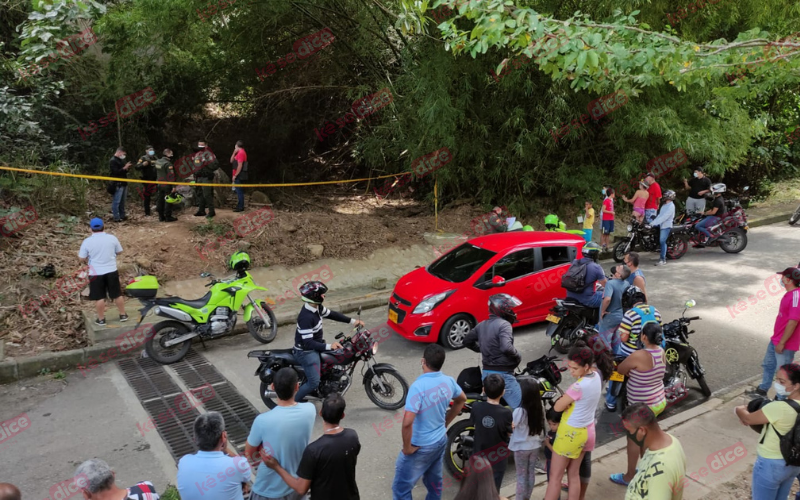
x: 591, y: 250
x: 633, y: 295
x: 313, y: 291
x: 502, y: 305
x: 669, y: 194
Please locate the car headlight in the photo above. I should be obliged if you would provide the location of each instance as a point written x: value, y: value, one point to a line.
x: 630, y: 227
x: 428, y: 304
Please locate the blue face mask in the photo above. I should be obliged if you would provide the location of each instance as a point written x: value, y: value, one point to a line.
x: 696, y: 174
x: 151, y: 153
x: 604, y: 191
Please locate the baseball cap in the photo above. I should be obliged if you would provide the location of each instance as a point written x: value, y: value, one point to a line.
x: 96, y: 223
x: 792, y: 273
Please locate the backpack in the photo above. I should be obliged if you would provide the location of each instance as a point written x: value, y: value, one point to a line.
x: 790, y: 442
x: 574, y: 280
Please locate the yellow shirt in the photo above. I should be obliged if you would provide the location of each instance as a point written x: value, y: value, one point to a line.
x: 781, y: 416
x: 660, y: 475
x: 588, y: 222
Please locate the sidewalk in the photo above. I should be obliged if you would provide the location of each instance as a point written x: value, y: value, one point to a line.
x: 704, y: 432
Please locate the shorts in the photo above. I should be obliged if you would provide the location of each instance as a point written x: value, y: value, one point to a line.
x: 570, y: 442
x: 607, y: 226
x: 103, y: 284
x: 658, y: 408
x: 638, y: 210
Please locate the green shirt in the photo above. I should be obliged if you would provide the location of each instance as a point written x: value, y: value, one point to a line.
x: 781, y: 416
x: 660, y: 475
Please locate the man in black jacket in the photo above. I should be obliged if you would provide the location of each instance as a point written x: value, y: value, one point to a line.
x: 205, y: 163
x: 165, y: 172
x: 308, y: 342
x: 119, y: 170
x: 494, y: 339
x: 147, y: 164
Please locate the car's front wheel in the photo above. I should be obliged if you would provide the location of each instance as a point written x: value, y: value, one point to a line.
x: 455, y: 329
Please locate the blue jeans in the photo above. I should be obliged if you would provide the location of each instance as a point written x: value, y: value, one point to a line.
x: 118, y: 205
x: 310, y: 361
x: 425, y: 463
x: 595, y: 301
x: 772, y: 479
x: 649, y: 215
x: 239, y: 195
x: 773, y: 361
x: 663, y: 240
x: 513, y: 394
x: 707, y: 222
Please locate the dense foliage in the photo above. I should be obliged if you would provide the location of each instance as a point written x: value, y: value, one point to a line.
x: 494, y: 81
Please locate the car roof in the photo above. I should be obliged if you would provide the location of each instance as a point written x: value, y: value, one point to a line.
x: 501, y: 241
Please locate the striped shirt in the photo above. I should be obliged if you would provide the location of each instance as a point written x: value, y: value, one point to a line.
x: 648, y: 386
x: 308, y: 336
x: 632, y: 324
x: 142, y: 491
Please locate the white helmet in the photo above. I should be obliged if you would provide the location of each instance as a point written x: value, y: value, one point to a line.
x: 718, y: 188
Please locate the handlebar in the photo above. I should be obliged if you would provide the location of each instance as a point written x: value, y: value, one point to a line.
x: 341, y: 335
x: 692, y: 319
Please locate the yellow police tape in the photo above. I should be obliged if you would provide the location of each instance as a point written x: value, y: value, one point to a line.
x: 141, y: 181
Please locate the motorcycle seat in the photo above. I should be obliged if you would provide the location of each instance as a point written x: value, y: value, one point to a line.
x: 194, y: 304
x: 287, y: 354
x: 477, y: 396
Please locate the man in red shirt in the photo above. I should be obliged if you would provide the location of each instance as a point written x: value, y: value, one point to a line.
x: 653, y: 202
x: 785, y: 340
x: 239, y: 162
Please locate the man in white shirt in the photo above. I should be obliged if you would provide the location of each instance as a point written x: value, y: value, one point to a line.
x: 101, y: 250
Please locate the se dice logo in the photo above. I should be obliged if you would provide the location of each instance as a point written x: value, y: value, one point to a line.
x: 246, y: 224
x: 69, y: 488
x: 14, y: 426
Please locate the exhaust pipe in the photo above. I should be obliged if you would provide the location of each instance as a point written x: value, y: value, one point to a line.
x: 181, y: 339
x: 172, y: 313
x: 271, y: 394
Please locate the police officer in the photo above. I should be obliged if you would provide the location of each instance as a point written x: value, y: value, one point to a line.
x: 165, y: 172
x: 147, y: 165
x: 205, y: 163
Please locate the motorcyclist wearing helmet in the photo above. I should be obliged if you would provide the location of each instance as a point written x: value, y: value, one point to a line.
x: 308, y: 342
x: 165, y: 172
x: 493, y: 338
x: 664, y: 220
x: 713, y: 215
x: 594, y: 273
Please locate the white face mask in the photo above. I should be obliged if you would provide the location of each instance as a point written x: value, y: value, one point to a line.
x: 779, y: 389
x: 122, y: 157
x: 696, y: 174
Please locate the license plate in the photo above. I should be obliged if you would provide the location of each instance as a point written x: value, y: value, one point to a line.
x: 617, y: 377
x: 393, y: 316
x: 553, y: 319
x: 746, y: 228
x: 549, y: 395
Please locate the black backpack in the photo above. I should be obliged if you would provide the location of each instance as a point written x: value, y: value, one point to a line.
x: 790, y: 442
x: 574, y: 280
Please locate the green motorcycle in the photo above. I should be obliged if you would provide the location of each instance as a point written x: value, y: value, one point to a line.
x: 210, y: 316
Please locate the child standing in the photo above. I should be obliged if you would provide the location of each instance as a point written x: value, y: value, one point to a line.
x: 588, y: 221
x: 585, y: 473
x: 526, y: 439
x: 607, y: 217
x: 639, y: 199
x: 493, y: 425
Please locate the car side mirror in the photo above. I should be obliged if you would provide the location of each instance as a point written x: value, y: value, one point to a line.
x: 498, y: 281
x: 690, y: 303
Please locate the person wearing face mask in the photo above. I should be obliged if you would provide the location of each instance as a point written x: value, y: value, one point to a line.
x: 661, y: 470
x: 205, y: 163
x: 772, y: 478
x: 785, y: 340
x: 165, y: 172
x: 698, y: 187
x: 147, y: 165
x: 119, y: 170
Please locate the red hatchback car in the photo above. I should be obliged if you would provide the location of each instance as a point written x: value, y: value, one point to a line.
x: 443, y: 301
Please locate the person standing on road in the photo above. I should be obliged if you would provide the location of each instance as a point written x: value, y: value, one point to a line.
x: 664, y: 221
x: 147, y: 165
x: 654, y: 201
x: 165, y: 172
x: 119, y: 170
x: 205, y: 163
x: 493, y: 424
x: 98, y: 483
x: 101, y: 250
x: 662, y: 468
x: 785, y: 341
x: 230, y: 470
x: 283, y: 433
x: 588, y: 220
x: 698, y: 188
x: 526, y: 439
x: 712, y: 216
x: 607, y: 217
x: 772, y: 478
x: 328, y: 466
x: 636, y: 277
x: 424, y: 429
x: 239, y: 162
x: 494, y: 339
x: 611, y: 309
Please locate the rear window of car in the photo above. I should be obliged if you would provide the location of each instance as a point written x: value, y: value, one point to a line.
x: 460, y: 264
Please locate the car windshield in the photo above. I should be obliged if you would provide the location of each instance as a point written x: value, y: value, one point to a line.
x: 460, y: 264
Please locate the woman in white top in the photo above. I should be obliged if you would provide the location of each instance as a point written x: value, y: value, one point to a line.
x: 526, y: 439
x: 576, y: 433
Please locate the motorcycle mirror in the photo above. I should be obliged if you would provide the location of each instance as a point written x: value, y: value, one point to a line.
x: 690, y: 303
x: 205, y: 275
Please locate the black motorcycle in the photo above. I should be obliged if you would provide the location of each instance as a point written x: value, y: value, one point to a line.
x: 646, y: 238
x: 731, y: 228
x: 384, y: 385
x: 681, y: 358
x: 567, y: 323
x: 461, y: 435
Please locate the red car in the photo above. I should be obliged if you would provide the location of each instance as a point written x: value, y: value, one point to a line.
x: 443, y: 301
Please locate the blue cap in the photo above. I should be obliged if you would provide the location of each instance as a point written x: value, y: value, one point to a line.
x: 96, y: 223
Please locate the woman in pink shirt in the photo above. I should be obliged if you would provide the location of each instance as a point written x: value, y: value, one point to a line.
x: 239, y: 156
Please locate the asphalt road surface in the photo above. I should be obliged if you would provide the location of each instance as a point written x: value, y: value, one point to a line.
x: 96, y: 414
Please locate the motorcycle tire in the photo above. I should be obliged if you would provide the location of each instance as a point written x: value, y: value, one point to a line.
x: 795, y: 217
x: 677, y: 246
x: 734, y: 241
x: 704, y: 386
x: 180, y: 350
x: 620, y: 249
x: 257, y: 328
x: 373, y: 389
x: 460, y: 435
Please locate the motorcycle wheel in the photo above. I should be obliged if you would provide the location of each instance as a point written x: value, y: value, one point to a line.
x: 165, y: 331
x: 676, y: 247
x: 704, y: 386
x: 563, y: 345
x: 396, y: 395
x: 261, y: 332
x: 459, y: 447
x: 620, y: 249
x: 266, y: 399
x: 795, y: 217
x: 735, y: 242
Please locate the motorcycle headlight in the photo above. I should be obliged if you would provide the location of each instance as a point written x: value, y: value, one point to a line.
x: 375, y: 348
x: 630, y: 227
x: 428, y: 304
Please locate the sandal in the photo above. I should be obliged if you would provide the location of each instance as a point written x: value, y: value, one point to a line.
x: 618, y: 479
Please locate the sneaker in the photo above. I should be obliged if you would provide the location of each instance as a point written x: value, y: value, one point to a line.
x: 123, y: 317
x: 117, y: 220
x: 170, y: 219
x: 200, y: 214
x: 611, y: 408
x: 757, y: 392
x: 100, y: 322
x: 661, y: 263
x: 238, y: 209
x: 540, y: 470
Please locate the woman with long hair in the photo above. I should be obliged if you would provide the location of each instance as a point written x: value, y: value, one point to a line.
x: 591, y: 364
x: 526, y: 439
x: 478, y: 482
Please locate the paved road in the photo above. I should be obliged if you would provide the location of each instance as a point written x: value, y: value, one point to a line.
x: 96, y: 415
